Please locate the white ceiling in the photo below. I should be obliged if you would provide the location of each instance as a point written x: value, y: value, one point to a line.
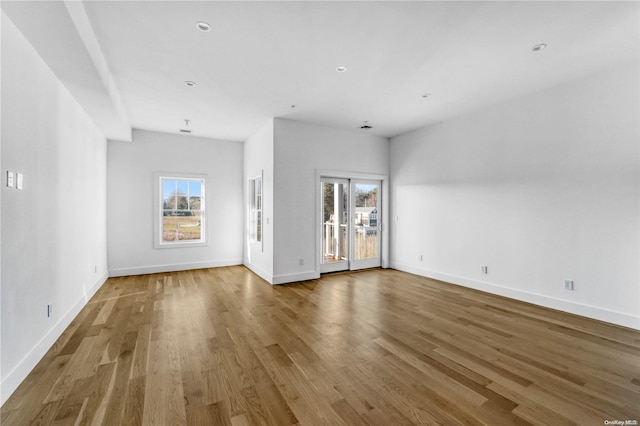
x: 261, y: 57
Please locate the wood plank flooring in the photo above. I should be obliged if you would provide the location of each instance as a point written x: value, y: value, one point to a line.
x: 222, y: 347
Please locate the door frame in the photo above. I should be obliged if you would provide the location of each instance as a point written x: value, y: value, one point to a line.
x: 384, y: 230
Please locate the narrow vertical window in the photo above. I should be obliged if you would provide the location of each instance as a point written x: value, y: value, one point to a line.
x: 181, y: 210
x: 256, y: 209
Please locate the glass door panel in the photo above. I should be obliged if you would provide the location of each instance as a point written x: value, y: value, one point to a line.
x: 335, y: 224
x: 366, y: 221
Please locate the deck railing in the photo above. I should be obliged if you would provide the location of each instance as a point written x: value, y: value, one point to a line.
x: 335, y: 247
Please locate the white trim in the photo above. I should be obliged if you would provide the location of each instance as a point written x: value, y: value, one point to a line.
x: 258, y: 271
x: 341, y: 265
x: 619, y: 318
x: 281, y: 279
x: 154, y: 269
x: 91, y: 291
x: 292, y: 278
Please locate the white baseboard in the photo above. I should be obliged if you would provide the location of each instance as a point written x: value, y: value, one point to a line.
x: 594, y: 312
x: 13, y: 379
x: 155, y: 269
x: 258, y: 271
x: 281, y: 279
x: 292, y: 278
x: 91, y: 291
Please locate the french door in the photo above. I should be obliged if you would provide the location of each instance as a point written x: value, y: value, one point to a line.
x: 351, y: 224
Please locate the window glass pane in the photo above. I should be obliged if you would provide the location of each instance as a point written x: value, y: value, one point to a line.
x: 180, y: 227
x: 181, y: 202
x: 168, y: 186
x: 259, y: 227
x: 182, y: 211
x: 183, y: 187
x: 190, y: 227
x: 194, y: 203
x: 366, y: 226
x: 195, y: 188
x: 255, y: 213
x: 168, y: 194
x: 335, y: 238
x: 169, y: 226
x: 169, y: 202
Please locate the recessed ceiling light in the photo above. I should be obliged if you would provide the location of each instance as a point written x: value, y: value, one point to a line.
x: 341, y: 68
x: 426, y: 95
x: 190, y: 83
x: 203, y: 26
x: 538, y: 47
x: 293, y: 105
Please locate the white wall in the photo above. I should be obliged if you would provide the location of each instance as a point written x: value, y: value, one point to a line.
x: 131, y: 208
x: 300, y: 150
x: 258, y: 160
x: 540, y: 189
x: 54, y: 230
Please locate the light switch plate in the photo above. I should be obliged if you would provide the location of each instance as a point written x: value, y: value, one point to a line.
x: 19, y: 180
x: 10, y: 179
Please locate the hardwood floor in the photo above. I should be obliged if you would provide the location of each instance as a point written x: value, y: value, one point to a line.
x: 222, y: 347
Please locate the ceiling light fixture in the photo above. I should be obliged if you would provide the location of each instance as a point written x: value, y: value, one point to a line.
x: 341, y: 68
x: 293, y: 105
x: 539, y: 47
x: 426, y: 95
x: 365, y: 126
x: 203, y: 26
x: 190, y: 83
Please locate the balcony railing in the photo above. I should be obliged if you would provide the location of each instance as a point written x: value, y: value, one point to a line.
x: 336, y: 245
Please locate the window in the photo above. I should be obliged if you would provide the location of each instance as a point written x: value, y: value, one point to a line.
x: 256, y: 209
x: 181, y: 211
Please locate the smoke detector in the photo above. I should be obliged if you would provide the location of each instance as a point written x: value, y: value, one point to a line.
x: 186, y: 125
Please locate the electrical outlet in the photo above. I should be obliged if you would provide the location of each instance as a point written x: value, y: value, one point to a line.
x: 301, y: 261
x: 420, y: 258
x: 485, y: 269
x: 10, y: 179
x: 568, y: 284
x: 49, y: 311
x: 95, y: 269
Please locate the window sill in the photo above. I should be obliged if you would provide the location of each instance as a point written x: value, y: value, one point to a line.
x: 182, y: 244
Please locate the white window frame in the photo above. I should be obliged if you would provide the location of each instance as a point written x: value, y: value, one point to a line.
x: 158, y: 211
x: 256, y: 210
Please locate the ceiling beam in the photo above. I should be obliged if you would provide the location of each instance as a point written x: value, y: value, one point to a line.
x: 63, y: 37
